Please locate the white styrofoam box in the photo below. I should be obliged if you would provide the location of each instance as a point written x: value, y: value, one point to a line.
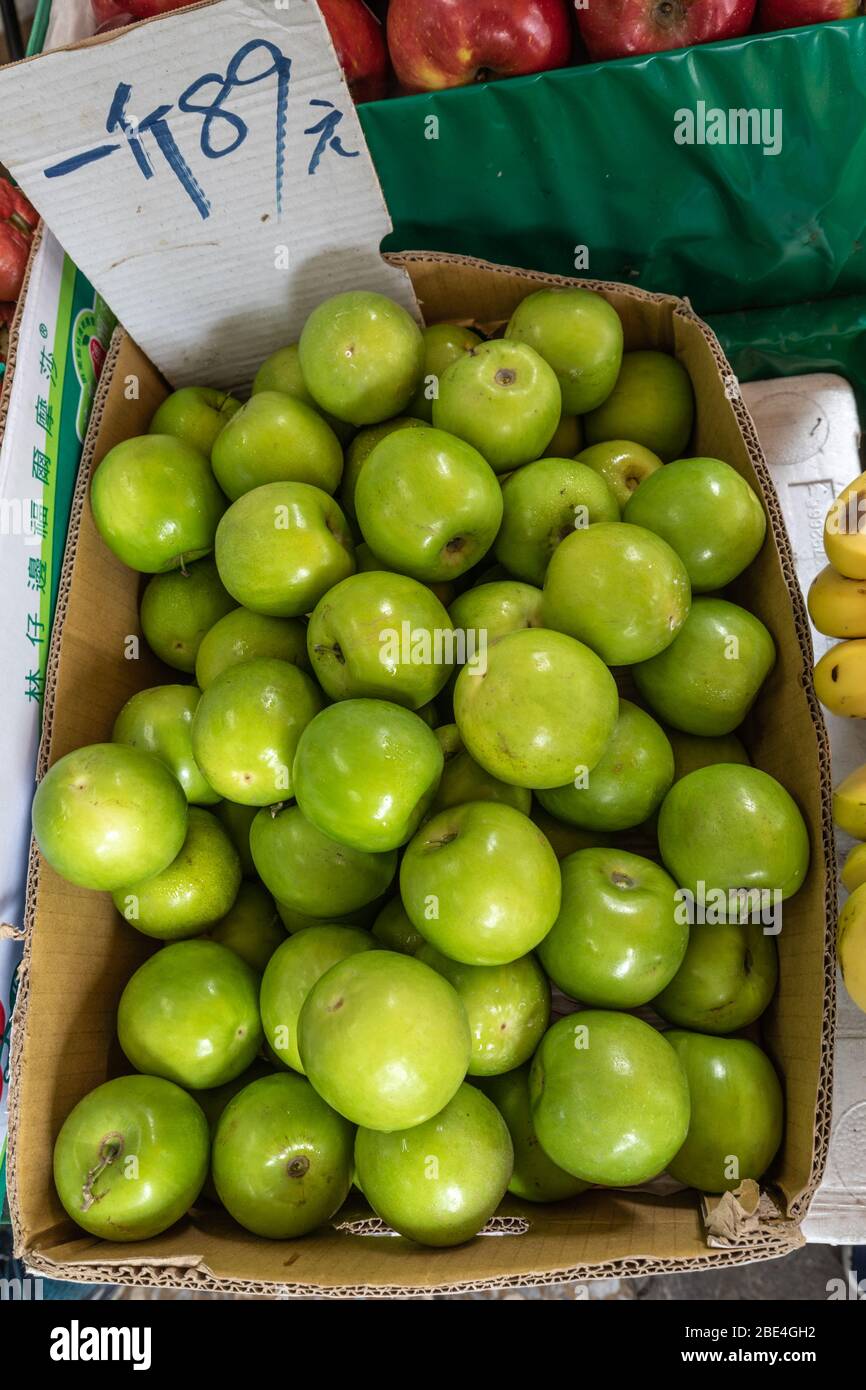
x: 810, y: 433
x: 211, y: 162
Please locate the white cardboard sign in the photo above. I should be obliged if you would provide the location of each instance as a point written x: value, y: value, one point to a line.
x: 208, y: 173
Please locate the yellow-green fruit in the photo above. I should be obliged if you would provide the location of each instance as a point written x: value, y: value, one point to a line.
x: 840, y: 679
x: 849, y: 804
x: 845, y: 531
x: 623, y: 465
x: 852, y: 946
x: 854, y: 868
x: 252, y: 927
x: 837, y: 606
x: 443, y: 344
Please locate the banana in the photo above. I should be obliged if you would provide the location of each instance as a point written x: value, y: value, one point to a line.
x: 837, y: 606
x: 840, y: 678
x: 845, y: 530
x: 851, y: 944
x: 854, y: 868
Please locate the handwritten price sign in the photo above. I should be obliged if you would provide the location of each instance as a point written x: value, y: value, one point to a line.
x: 213, y: 186
x: 243, y: 71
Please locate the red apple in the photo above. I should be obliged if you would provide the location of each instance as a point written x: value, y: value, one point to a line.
x: 146, y: 9
x: 357, y: 36
x: 451, y: 43
x: 622, y: 28
x: 110, y: 13
x: 791, y: 14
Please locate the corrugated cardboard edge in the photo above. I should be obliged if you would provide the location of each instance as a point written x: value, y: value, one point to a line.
x: 19, y: 1019
x: 773, y: 1240
x: 178, y: 1274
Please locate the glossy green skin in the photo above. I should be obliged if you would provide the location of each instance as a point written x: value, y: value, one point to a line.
x: 617, y: 940
x: 496, y: 608
x: 356, y: 645
x: 281, y: 547
x: 179, y: 608
x: 159, y: 721
x: 481, y: 883
x: 618, y: 588
x: 360, y: 450
x: 536, y: 1178
x: 503, y: 399
x: 394, y: 931
x: 627, y: 784
x: 108, y: 814
x: 237, y: 821
x: 707, y: 513
x: 156, y: 1124
x: 291, y: 973
x: 193, y: 892
x: 691, y: 751
x: 444, y: 343
x: 508, y: 1007
x: 737, y: 1111
x: 156, y: 503
x: 709, y: 677
x: 242, y: 636
x: 652, y: 404
x: 518, y: 720
x: 366, y: 772
x: 214, y: 1102
x: 282, y: 1160
x: 624, y: 465
x: 252, y: 927
x: 544, y: 502
x: 311, y: 873
x: 579, y: 335
x: 727, y: 978
x: 362, y: 356
x: 609, y: 1098
x: 384, y: 1040
x: 441, y: 1181
x: 246, y: 729
x: 197, y: 415
x: 463, y: 779
x: 733, y: 827
x: 428, y: 504
x: 191, y: 1014
x: 276, y: 438
x: 282, y: 372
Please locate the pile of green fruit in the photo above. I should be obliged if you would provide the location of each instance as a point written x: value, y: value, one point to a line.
x: 396, y: 717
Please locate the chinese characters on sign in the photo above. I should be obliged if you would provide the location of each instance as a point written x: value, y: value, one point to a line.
x: 37, y: 519
x: 222, y: 130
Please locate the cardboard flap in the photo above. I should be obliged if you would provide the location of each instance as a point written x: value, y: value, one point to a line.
x: 208, y: 173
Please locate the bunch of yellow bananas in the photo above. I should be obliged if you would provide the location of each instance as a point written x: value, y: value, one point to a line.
x: 837, y: 607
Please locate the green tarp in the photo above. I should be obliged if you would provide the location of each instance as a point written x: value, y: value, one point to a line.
x: 526, y: 171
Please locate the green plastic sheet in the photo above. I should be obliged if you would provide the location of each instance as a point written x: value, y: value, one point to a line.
x: 524, y: 171
x: 769, y: 248
x: 827, y: 336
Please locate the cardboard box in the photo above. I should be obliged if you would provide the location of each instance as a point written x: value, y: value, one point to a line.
x: 80, y: 953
